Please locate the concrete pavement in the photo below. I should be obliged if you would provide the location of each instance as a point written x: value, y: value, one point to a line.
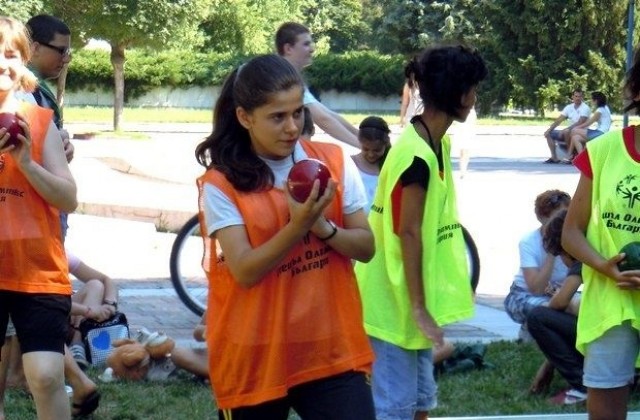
x: 130, y: 189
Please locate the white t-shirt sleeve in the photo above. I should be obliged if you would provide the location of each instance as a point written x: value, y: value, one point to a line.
x: 529, y: 247
x: 355, y: 196
x: 584, y: 110
x: 308, y: 97
x: 219, y: 211
x: 72, y: 260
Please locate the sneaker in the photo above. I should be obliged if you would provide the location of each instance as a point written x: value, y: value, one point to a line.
x: 161, y: 370
x: 568, y: 397
x: 524, y: 336
x: 79, y: 355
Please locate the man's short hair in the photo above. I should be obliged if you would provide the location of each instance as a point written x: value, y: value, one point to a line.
x: 288, y: 34
x: 43, y: 28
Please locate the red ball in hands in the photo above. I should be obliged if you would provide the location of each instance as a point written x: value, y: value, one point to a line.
x: 303, y: 174
x: 10, y: 122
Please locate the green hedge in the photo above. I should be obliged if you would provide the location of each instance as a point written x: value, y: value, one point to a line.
x: 372, y: 73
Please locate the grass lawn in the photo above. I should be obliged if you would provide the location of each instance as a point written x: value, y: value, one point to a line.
x: 501, y: 390
x: 184, y: 115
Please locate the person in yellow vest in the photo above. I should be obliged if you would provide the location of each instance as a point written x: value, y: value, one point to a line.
x: 418, y: 280
x: 603, y: 217
x: 35, y: 185
x: 284, y: 317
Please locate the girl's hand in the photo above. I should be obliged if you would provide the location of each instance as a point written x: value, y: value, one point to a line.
x: 307, y: 215
x: 629, y: 280
x: 428, y: 327
x: 22, y: 152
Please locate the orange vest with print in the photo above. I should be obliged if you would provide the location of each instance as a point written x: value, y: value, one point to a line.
x: 302, y: 322
x: 31, y: 249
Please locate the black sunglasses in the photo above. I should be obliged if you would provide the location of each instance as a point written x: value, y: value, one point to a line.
x: 63, y: 51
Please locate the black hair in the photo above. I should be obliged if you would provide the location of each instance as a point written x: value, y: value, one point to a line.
x: 552, y: 233
x: 43, y: 28
x: 308, y: 128
x: 447, y: 72
x: 410, y: 71
x: 288, y: 33
x: 228, y: 148
x: 600, y: 98
x: 631, y: 87
x: 375, y: 129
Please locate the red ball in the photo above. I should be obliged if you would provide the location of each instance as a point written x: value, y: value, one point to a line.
x: 303, y: 174
x: 10, y: 122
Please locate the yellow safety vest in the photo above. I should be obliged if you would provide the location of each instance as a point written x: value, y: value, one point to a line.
x: 614, y: 222
x: 446, y: 281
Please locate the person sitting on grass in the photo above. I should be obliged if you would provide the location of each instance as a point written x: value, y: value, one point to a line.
x: 554, y: 326
x: 580, y: 134
x: 97, y: 299
x: 539, y: 270
x: 194, y: 360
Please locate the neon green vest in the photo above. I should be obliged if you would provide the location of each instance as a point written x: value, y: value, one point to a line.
x: 387, y: 309
x: 614, y: 222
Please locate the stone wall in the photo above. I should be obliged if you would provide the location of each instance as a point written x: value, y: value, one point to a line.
x: 199, y: 97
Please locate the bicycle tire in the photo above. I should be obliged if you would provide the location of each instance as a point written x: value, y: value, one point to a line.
x: 190, y: 283
x: 473, y: 258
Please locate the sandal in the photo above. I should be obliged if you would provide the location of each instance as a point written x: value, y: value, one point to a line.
x: 87, y: 406
x: 551, y: 160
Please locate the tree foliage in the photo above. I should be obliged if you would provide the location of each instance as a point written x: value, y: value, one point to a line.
x: 541, y: 50
x: 151, y: 24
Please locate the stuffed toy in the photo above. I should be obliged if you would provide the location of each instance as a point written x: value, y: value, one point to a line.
x: 145, y: 357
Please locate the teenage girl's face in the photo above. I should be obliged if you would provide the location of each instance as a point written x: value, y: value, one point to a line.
x: 372, y: 150
x: 11, y: 67
x: 468, y: 102
x: 274, y: 127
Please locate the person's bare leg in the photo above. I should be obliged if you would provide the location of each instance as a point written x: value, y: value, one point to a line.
x: 15, y: 372
x: 82, y: 385
x: 45, y: 374
x: 464, y: 162
x: 607, y: 404
x: 552, y: 147
x: 421, y: 415
x: 5, y: 351
x: 543, y: 378
x: 192, y: 360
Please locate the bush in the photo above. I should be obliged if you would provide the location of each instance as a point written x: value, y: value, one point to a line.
x: 373, y: 73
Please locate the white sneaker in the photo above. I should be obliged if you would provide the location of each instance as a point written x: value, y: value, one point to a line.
x: 79, y: 355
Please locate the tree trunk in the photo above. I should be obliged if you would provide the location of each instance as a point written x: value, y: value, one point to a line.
x: 61, y: 84
x: 117, y: 61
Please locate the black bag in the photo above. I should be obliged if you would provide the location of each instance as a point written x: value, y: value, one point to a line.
x: 98, y: 336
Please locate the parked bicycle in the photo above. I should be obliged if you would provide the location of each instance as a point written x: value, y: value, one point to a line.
x: 191, y: 284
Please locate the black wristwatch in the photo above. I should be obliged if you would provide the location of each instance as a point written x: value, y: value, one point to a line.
x: 111, y: 303
x: 334, y: 230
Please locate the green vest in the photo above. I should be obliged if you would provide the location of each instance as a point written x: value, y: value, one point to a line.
x: 446, y: 281
x: 614, y: 222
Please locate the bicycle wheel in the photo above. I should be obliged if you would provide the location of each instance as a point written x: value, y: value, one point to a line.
x: 473, y: 258
x: 187, y: 275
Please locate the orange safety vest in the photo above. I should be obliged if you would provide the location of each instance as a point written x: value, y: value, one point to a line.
x: 302, y: 322
x: 31, y: 249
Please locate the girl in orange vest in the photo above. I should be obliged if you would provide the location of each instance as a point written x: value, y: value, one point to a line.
x: 35, y: 184
x: 284, y: 318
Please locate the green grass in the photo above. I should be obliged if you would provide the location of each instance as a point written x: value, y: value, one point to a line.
x: 501, y: 390
x: 186, y: 115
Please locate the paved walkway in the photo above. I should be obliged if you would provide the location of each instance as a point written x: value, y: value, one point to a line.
x: 130, y: 189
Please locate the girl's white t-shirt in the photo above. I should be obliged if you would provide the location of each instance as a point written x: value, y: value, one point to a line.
x: 220, y: 212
